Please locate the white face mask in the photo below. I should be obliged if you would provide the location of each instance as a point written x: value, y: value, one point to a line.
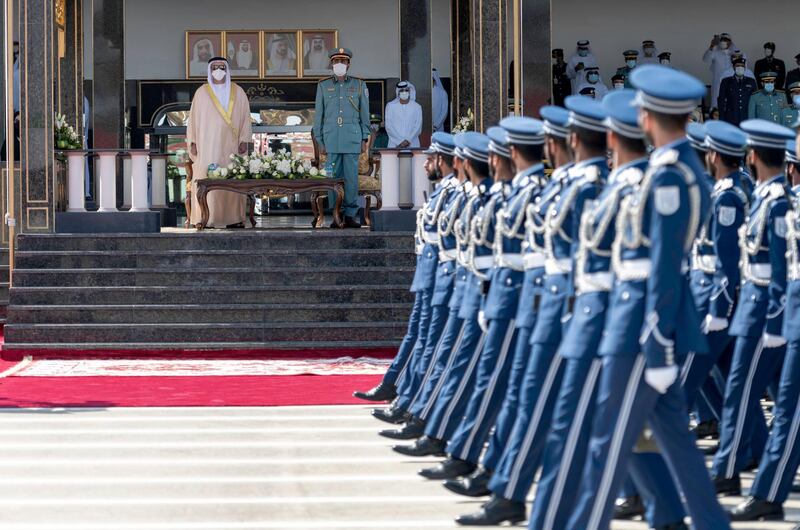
x: 619, y: 86
x: 796, y: 100
x: 631, y: 63
x: 340, y: 69
x: 404, y: 96
x: 219, y: 75
x: 723, y: 45
x: 739, y: 71
x: 665, y: 62
x: 767, y: 52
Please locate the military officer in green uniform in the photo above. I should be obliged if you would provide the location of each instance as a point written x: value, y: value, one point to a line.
x: 791, y: 114
x: 769, y: 102
x: 341, y: 127
x: 631, y: 60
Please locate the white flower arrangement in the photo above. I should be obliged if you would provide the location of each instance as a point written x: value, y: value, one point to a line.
x: 271, y: 165
x: 465, y: 123
x: 65, y: 135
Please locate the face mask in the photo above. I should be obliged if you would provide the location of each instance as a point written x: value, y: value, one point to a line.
x: 219, y: 75
x: 583, y: 53
x: 340, y: 69
x: 555, y: 60
x: 796, y: 100
x: 593, y: 78
x: 374, y: 127
x: 739, y: 71
x: 619, y: 86
x: 631, y: 63
x: 769, y: 87
x: 767, y: 52
x: 404, y: 96
x: 665, y: 62
x: 723, y: 45
x: 649, y: 52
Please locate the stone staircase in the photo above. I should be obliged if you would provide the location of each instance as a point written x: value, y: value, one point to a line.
x: 212, y: 290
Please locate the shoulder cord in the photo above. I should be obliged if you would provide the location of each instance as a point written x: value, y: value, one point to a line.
x: 429, y: 217
x: 512, y: 230
x: 749, y: 249
x: 447, y: 221
x: 555, y: 220
x: 792, y: 240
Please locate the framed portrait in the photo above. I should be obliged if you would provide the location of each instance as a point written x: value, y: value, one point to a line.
x: 280, y: 53
x: 200, y: 47
x: 316, y: 43
x: 243, y: 51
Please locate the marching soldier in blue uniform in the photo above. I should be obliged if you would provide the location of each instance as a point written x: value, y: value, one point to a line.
x: 520, y: 461
x: 650, y: 303
x: 341, y: 127
x: 457, y: 381
x: 757, y: 323
x: 769, y: 102
x: 520, y: 259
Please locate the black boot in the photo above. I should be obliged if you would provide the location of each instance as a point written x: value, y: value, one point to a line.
x: 391, y: 415
x: 497, y: 511
x: 628, y: 507
x: 413, y: 429
x: 450, y: 468
x: 707, y: 429
x: 425, y: 446
x: 754, y: 509
x: 475, y: 485
x: 382, y: 392
x: 680, y: 525
x: 728, y: 486
x: 350, y: 222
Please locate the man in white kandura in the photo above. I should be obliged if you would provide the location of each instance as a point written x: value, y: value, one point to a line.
x: 219, y: 126
x: 403, y: 117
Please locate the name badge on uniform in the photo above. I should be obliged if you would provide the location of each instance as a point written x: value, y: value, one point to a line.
x: 780, y: 227
x: 668, y: 199
x: 727, y: 215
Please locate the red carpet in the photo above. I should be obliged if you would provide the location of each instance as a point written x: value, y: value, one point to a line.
x: 18, y: 392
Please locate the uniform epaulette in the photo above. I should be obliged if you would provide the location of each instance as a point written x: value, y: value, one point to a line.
x: 724, y: 184
x: 776, y: 191
x: 665, y: 158
x: 592, y: 173
x: 632, y: 176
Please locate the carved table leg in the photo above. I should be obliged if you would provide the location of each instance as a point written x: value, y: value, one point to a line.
x: 252, y: 214
x: 202, y: 200
x: 337, y: 210
x: 320, y: 202
x: 367, y: 209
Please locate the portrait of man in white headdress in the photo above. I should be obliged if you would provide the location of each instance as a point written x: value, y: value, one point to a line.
x: 243, y: 53
x: 201, y: 46
x: 281, y: 54
x: 315, y: 52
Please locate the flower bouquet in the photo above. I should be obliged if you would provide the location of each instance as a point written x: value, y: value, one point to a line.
x: 173, y: 171
x: 278, y: 165
x: 465, y: 123
x: 65, y: 135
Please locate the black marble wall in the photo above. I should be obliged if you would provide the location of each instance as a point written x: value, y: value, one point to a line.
x: 70, y: 67
x: 536, y: 64
x: 415, y: 55
x: 108, y: 110
x: 462, y: 67
x: 490, y: 63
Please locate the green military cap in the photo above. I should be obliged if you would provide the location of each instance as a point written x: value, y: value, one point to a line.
x: 794, y: 86
x: 375, y: 118
x: 340, y: 53
x: 630, y: 53
x: 768, y: 75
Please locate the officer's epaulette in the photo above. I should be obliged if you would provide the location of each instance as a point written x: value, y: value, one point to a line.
x: 776, y: 191
x: 665, y: 158
x: 725, y: 184
x: 632, y: 176
x: 592, y: 173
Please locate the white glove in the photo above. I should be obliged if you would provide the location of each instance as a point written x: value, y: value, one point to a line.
x: 661, y: 378
x: 482, y: 322
x: 712, y: 323
x: 772, y: 341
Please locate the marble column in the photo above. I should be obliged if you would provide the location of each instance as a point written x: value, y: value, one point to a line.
x: 490, y: 61
x: 70, y: 66
x: 537, y: 72
x: 415, y: 55
x: 34, y: 187
x: 463, y: 86
x: 108, y: 112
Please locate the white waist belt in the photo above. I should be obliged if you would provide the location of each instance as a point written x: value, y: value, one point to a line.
x: 594, y: 282
x: 534, y: 260
x: 511, y: 261
x: 483, y: 262
x: 704, y: 262
x: 431, y: 237
x: 633, y: 269
x: 760, y: 271
x: 448, y: 254
x: 558, y: 266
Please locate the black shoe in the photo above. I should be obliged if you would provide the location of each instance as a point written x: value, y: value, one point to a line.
x: 709, y: 450
x: 796, y: 487
x: 754, y: 509
x: 413, y: 429
x: 334, y: 225
x: 707, y: 429
x: 350, y: 222
x: 497, y: 511
x: 475, y: 485
x: 752, y: 465
x: 450, y: 468
x: 628, y: 507
x: 728, y: 486
x: 425, y: 446
x: 382, y: 392
x: 673, y: 526
x: 391, y: 415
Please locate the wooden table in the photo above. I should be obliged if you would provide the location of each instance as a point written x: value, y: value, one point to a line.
x: 319, y: 187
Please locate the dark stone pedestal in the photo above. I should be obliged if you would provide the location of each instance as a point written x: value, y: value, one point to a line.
x: 108, y: 222
x: 394, y: 221
x: 169, y: 216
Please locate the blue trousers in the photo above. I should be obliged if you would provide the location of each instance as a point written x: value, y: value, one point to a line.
x: 753, y: 369
x: 406, y: 378
x: 345, y: 166
x: 624, y: 402
x: 457, y: 387
x: 433, y: 322
x: 508, y: 410
x: 697, y: 369
x: 400, y: 361
x: 444, y: 356
x: 782, y: 454
x: 491, y: 382
x: 515, y: 473
x: 650, y: 474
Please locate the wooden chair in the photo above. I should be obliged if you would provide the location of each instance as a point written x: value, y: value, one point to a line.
x: 188, y: 201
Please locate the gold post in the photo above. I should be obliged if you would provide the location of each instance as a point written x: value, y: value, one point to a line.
x: 10, y: 137
x: 517, y: 59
